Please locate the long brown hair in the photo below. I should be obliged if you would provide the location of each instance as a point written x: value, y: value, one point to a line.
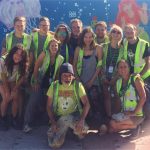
x: 81, y: 38
x: 9, y: 62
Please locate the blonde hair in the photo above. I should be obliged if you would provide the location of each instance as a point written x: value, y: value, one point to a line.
x: 114, y: 26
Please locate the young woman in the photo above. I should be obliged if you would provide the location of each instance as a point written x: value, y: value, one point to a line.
x: 62, y: 34
x: 45, y: 71
x: 12, y: 74
x: 112, y: 53
x: 130, y: 90
x: 87, y: 63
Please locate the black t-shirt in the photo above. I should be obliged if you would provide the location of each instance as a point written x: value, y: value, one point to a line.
x: 131, y: 54
x: 48, y: 77
x: 111, y: 61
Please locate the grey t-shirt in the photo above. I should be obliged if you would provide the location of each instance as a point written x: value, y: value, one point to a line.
x: 41, y: 41
x: 15, y: 40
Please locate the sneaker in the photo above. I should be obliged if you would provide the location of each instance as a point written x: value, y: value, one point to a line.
x: 27, y: 128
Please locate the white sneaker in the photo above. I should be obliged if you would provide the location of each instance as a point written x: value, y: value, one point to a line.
x: 27, y: 128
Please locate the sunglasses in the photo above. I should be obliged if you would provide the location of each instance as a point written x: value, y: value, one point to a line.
x: 64, y: 34
x: 117, y: 32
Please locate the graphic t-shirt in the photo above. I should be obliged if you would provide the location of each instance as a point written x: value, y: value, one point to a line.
x: 131, y: 54
x: 67, y: 102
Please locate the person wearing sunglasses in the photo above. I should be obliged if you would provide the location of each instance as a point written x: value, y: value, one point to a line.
x: 112, y: 53
x: 62, y: 34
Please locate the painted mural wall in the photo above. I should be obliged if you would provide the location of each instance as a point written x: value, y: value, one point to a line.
x: 89, y: 11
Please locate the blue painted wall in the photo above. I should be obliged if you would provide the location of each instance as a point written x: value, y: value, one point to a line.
x: 58, y: 11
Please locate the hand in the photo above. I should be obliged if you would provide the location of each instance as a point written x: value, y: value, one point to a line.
x: 129, y: 113
x: 79, y: 126
x: 54, y: 127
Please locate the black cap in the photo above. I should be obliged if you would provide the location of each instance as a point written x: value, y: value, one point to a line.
x: 66, y: 68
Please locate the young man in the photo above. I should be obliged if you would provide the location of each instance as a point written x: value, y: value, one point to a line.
x: 40, y: 38
x: 76, y: 26
x: 64, y: 107
x: 16, y: 36
x: 136, y: 51
x: 101, y: 32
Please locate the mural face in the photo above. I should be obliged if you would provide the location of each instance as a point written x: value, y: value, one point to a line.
x: 89, y: 11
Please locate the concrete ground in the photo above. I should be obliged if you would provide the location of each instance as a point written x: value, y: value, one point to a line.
x: 37, y: 140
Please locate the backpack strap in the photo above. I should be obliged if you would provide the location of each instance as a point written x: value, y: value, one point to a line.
x: 76, y: 92
x: 55, y: 95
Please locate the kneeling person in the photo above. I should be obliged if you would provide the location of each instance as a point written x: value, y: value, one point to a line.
x: 64, y: 107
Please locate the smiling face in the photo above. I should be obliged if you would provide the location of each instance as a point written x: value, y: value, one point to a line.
x: 61, y: 34
x: 76, y: 28
x: 53, y: 47
x: 19, y: 26
x: 88, y: 38
x: 17, y: 57
x: 44, y: 26
x: 123, y: 68
x: 115, y: 34
x: 130, y: 33
x: 100, y: 31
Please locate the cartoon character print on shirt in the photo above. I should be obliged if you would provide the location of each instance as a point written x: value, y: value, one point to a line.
x: 65, y: 103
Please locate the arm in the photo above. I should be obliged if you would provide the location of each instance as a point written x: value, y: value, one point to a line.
x: 38, y: 64
x: 51, y: 114
x: 49, y: 110
x: 147, y: 65
x: 141, y: 93
x: 86, y: 107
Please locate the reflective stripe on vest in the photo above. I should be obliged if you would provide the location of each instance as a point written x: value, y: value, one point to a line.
x: 46, y: 63
x: 139, y: 62
x: 79, y: 62
x: 35, y: 41
x: 55, y: 86
x: 26, y: 41
x: 129, y: 98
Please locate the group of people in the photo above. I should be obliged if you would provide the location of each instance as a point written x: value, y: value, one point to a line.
x: 74, y: 78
